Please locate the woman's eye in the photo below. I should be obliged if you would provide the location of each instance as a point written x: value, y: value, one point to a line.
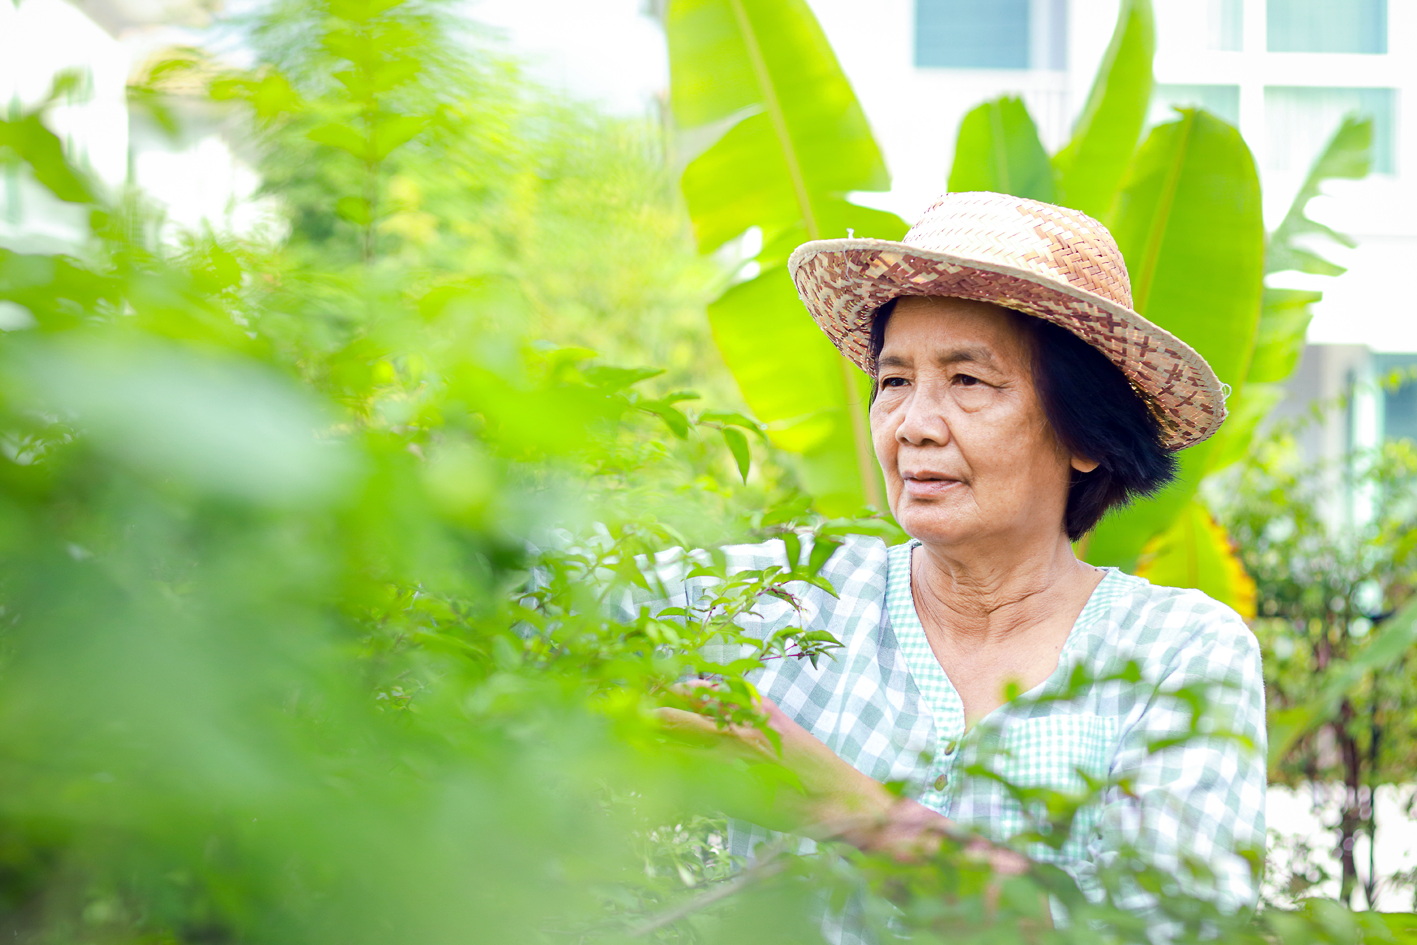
x: 892, y: 382
x: 966, y: 380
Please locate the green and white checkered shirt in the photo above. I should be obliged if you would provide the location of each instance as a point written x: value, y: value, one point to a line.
x: 1174, y: 785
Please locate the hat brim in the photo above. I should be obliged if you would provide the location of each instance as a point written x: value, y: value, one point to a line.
x: 842, y: 282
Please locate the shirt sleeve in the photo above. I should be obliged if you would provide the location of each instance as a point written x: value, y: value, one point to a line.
x: 1187, y: 794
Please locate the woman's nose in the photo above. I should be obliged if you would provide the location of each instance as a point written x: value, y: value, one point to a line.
x: 923, y: 421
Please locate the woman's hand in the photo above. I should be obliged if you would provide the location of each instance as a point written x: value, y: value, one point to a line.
x: 835, y: 800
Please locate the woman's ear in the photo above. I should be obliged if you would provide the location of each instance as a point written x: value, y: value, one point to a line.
x: 1083, y: 465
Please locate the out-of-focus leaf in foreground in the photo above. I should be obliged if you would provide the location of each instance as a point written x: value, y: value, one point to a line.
x: 217, y: 424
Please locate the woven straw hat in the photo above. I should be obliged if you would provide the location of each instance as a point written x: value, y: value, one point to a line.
x: 1050, y: 262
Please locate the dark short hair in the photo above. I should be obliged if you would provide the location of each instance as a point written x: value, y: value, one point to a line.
x: 1094, y: 412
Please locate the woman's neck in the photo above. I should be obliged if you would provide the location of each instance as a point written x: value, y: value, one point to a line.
x: 978, y: 600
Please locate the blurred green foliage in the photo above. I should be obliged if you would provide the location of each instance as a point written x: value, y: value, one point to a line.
x: 1333, y: 551
x: 266, y: 506
x: 308, y: 540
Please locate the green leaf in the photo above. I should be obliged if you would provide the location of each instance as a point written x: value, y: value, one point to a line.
x: 610, y: 378
x: 29, y: 280
x: 273, y: 96
x: 371, y: 80
x: 1284, y: 324
x: 341, y: 136
x: 1189, y: 225
x: 738, y: 446
x: 998, y: 149
x: 673, y: 418
x: 361, y: 11
x: 794, y: 144
x: 792, y: 378
x: 1232, y: 443
x: 392, y: 132
x: 221, y: 425
x: 67, y: 84
x: 755, y: 176
x: 1091, y: 168
x: 355, y: 209
x: 1347, y: 155
x: 731, y: 418
x: 1285, y: 313
x: 36, y: 146
x: 1401, y: 925
x: 1196, y: 552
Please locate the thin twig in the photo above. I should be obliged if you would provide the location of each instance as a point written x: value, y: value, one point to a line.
x: 760, y: 870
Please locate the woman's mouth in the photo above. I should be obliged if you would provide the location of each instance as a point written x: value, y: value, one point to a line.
x: 925, y: 486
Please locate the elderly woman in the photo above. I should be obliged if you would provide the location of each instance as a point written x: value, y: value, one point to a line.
x: 1017, y: 398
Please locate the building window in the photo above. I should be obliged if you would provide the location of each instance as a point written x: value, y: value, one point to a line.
x: 1223, y: 101
x: 1224, y: 25
x: 1301, y: 119
x: 999, y: 34
x: 1327, y: 26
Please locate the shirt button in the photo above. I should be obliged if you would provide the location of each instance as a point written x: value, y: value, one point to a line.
x: 941, y: 782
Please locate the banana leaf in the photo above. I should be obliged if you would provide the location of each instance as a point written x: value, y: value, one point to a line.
x: 998, y: 149
x: 1284, y: 319
x: 1196, y: 552
x: 1190, y: 226
x: 1347, y: 155
x: 790, y: 143
x: 1091, y: 168
x: 1285, y: 312
x: 1279, y: 341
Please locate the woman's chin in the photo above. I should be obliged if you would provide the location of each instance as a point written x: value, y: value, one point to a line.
x: 934, y: 526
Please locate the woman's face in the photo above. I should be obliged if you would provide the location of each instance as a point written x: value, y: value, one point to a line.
x: 968, y: 455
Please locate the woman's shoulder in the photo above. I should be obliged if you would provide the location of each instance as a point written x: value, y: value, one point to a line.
x: 1166, y: 622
